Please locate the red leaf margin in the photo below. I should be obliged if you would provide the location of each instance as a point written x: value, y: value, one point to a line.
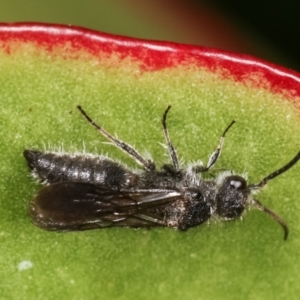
x: 155, y: 55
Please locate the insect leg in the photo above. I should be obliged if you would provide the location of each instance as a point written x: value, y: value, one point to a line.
x: 172, y: 151
x: 215, y: 155
x: 273, y: 215
x: 148, y: 164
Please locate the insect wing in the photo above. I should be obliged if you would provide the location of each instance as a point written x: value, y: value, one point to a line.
x: 68, y: 206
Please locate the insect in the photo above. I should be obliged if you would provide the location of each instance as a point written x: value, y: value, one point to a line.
x: 85, y: 191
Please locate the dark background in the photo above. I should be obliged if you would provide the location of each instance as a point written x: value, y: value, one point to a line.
x: 276, y: 22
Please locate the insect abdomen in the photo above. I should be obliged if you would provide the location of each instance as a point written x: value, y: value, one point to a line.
x: 51, y: 167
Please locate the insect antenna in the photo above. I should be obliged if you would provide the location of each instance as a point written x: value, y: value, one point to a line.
x: 148, y: 164
x: 279, y: 220
x: 263, y: 182
x: 276, y: 173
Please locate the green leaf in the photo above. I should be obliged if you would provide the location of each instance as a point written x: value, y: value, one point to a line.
x: 125, y: 85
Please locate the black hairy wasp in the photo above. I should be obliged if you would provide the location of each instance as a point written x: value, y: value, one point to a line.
x: 85, y: 191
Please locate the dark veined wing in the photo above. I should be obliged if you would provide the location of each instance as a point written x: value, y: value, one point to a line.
x: 68, y: 206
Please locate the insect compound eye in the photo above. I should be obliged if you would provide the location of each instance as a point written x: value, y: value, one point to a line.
x: 237, y: 182
x: 232, y: 197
